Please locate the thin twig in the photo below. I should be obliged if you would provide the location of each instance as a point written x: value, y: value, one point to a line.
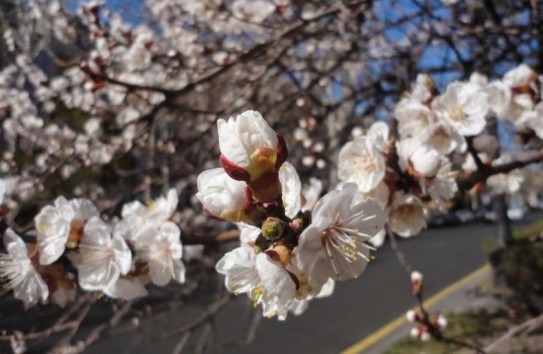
x: 182, y: 342
x: 398, y: 252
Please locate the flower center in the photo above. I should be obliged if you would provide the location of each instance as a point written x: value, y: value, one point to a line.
x: 365, y: 163
x: 457, y: 114
x: 76, y: 232
x: 342, y: 243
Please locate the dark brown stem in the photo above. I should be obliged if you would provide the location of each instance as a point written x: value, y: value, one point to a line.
x: 485, y: 171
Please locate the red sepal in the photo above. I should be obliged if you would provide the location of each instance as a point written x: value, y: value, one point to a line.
x: 234, y: 171
x: 281, y: 151
x: 211, y: 215
x: 249, y: 203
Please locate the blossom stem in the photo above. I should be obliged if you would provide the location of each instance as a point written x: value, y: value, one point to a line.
x: 398, y: 252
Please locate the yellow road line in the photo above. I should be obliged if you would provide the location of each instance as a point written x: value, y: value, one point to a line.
x: 400, y: 320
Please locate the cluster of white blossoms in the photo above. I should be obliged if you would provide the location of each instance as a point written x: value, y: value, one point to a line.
x: 74, y: 245
x: 294, y: 246
x: 414, y: 166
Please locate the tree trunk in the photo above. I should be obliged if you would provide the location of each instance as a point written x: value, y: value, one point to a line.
x: 505, y: 233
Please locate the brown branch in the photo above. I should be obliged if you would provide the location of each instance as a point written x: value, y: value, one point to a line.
x: 485, y: 171
x: 95, y: 334
x: 204, y: 317
x: 223, y: 237
x: 60, y: 325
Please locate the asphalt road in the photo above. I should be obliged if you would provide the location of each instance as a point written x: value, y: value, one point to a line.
x: 359, y: 307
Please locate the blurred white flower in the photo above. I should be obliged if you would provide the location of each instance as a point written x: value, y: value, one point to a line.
x: 425, y: 336
x: 413, y: 118
x: 406, y: 215
x: 163, y: 252
x: 311, y: 194
x: 464, y: 106
x: 418, y: 159
x: 61, y: 225
x: 534, y: 120
x: 499, y: 99
x: 444, y: 139
x: 443, y: 186
x: 361, y: 162
x: 422, y: 89
x: 253, y: 10
x: 138, y: 57
x: 21, y: 276
x: 378, y: 133
x: 442, y: 321
x: 126, y: 288
x: 411, y: 315
x: 520, y: 76
x: 104, y: 257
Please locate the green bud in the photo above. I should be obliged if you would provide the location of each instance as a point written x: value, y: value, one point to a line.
x: 272, y: 228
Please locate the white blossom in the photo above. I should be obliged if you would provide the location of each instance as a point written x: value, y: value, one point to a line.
x: 222, y: 196
x: 17, y: 268
x: 253, y: 10
x: 443, y: 138
x: 534, y: 120
x: 249, y: 143
x: 61, y: 224
x: 311, y: 194
x: 413, y: 118
x: 362, y: 163
x: 163, y: 252
x: 333, y: 244
x: 417, y: 158
x: 126, y: 288
x: 464, y: 106
x: 291, y: 189
x: 265, y: 280
x: 381, y: 193
x: 138, y: 57
x: 378, y: 133
x: 248, y: 233
x: 443, y: 186
x: 104, y: 257
x: 406, y: 215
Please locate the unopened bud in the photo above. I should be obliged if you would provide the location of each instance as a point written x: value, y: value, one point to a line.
x: 272, y: 228
x: 296, y: 225
x: 441, y: 321
x: 411, y: 315
x: 416, y: 282
x: 425, y: 336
